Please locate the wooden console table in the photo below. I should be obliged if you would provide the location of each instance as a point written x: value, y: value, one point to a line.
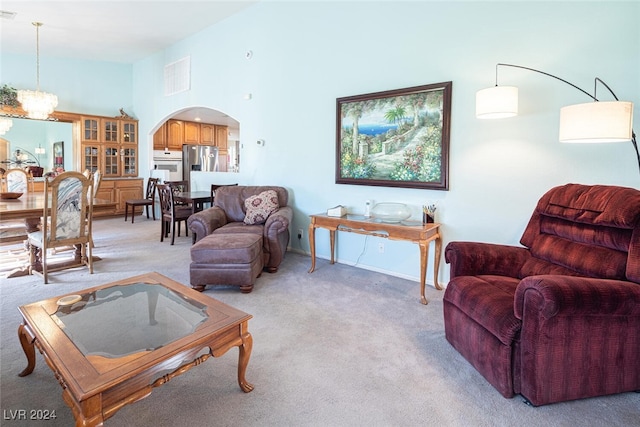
x: 422, y: 234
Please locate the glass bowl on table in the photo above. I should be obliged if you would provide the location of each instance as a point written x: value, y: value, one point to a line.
x: 391, y: 212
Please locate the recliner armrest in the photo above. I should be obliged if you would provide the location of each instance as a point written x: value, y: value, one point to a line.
x: 556, y: 295
x: 206, y: 221
x: 477, y: 258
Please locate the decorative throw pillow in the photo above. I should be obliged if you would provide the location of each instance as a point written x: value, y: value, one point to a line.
x: 260, y: 206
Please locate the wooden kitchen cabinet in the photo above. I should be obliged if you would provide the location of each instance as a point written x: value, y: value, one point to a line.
x: 222, y: 137
x: 191, y: 133
x: 175, y: 134
x: 207, y: 134
x: 160, y: 138
x: 170, y: 136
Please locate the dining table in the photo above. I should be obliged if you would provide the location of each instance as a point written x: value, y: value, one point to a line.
x: 30, y: 208
x: 196, y: 199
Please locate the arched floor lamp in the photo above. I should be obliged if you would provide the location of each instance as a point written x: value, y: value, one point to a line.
x: 593, y: 122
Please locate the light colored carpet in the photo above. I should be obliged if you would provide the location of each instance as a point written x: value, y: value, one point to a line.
x: 339, y: 347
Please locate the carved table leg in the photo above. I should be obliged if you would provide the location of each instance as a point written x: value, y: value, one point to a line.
x: 26, y: 340
x: 424, y: 257
x: 312, y: 246
x: 436, y: 266
x: 243, y: 358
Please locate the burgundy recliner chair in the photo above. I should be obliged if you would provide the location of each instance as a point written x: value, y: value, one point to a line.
x: 557, y: 319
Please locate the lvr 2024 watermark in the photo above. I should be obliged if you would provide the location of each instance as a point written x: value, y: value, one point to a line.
x: 28, y: 414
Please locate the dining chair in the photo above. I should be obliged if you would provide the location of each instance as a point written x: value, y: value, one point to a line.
x: 68, y: 222
x: 96, y: 178
x: 18, y: 181
x: 149, y: 200
x: 171, y: 213
x: 15, y: 180
x: 179, y: 187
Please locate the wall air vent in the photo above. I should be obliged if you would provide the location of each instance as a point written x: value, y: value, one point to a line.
x: 5, y: 14
x: 177, y: 76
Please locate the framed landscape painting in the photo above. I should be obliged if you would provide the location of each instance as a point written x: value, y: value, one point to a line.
x: 397, y: 138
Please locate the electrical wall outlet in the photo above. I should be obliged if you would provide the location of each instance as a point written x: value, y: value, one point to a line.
x: 300, y: 234
x: 381, y: 248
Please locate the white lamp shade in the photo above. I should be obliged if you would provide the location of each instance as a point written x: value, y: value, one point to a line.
x: 497, y: 102
x: 597, y: 122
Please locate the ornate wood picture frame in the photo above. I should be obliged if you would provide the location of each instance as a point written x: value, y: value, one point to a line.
x: 396, y: 138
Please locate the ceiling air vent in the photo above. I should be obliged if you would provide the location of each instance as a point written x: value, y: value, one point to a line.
x: 177, y: 76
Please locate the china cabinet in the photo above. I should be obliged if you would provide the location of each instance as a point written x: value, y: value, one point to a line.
x: 109, y: 145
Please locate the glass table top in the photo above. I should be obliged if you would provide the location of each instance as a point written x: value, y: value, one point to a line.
x: 122, y: 320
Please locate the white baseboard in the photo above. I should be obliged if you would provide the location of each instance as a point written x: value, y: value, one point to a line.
x: 365, y: 267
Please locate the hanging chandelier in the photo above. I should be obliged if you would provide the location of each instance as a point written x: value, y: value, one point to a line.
x: 38, y: 105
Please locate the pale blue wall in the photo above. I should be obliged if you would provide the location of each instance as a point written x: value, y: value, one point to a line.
x: 90, y: 87
x: 307, y: 54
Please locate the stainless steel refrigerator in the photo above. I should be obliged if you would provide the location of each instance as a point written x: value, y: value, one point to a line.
x: 199, y: 158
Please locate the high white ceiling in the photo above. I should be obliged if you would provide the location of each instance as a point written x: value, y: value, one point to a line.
x: 114, y: 30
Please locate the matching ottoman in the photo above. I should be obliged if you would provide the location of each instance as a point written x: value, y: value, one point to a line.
x: 226, y: 259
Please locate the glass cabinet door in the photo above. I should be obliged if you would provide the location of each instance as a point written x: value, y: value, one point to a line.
x: 129, y: 161
x: 129, y: 132
x: 110, y: 129
x: 90, y: 157
x: 111, y: 159
x: 90, y: 129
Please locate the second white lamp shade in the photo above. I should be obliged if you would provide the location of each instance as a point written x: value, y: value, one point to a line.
x: 497, y: 102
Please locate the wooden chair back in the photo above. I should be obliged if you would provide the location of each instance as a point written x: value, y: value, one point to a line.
x: 178, y: 186
x: 171, y: 213
x: 17, y: 181
x: 151, y: 188
x: 165, y: 198
x: 69, y: 222
x: 97, y: 180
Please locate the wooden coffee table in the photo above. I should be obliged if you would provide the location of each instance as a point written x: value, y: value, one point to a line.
x: 110, y: 345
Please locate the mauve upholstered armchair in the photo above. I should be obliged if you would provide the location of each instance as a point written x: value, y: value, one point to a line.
x: 558, y: 318
x: 227, y: 216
